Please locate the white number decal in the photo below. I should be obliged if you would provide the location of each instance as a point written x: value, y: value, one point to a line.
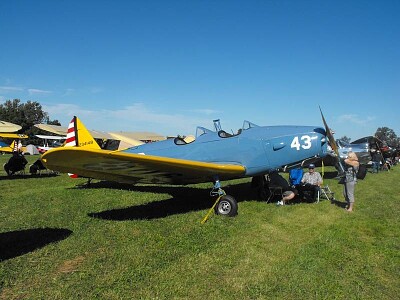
x: 305, y: 142
x: 295, y: 143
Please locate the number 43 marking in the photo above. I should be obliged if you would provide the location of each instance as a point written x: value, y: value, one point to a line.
x: 305, y: 142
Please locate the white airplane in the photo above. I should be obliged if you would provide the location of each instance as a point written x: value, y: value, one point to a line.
x: 49, y: 142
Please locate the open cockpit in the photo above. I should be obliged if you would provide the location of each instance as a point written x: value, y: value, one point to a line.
x: 223, y: 134
x: 184, y: 140
x: 201, y: 131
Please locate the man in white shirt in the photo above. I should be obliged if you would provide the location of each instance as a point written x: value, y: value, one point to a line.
x: 19, y: 146
x: 311, y: 181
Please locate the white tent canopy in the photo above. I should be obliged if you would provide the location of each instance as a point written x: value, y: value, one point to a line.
x: 31, y: 149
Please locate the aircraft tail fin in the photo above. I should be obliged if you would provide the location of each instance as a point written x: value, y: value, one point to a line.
x: 14, y: 146
x: 79, y: 136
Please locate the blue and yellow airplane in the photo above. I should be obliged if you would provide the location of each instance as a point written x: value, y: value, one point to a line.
x: 13, y: 146
x: 210, y: 156
x: 7, y: 131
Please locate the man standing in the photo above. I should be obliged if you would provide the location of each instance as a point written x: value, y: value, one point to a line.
x: 19, y: 146
x: 376, y: 161
x: 311, y: 181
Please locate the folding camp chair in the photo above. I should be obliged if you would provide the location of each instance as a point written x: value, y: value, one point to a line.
x: 326, y: 193
x: 295, y: 176
x: 266, y: 190
x: 274, y: 191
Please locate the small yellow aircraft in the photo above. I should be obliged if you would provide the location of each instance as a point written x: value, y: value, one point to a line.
x: 7, y: 131
x: 14, y: 145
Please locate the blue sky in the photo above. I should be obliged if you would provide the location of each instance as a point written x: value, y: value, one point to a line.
x: 168, y: 66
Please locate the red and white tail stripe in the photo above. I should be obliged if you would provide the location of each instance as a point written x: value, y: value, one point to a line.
x: 71, y: 140
x: 15, y: 146
x: 71, y: 136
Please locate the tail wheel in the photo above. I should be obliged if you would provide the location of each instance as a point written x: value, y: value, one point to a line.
x: 227, y: 206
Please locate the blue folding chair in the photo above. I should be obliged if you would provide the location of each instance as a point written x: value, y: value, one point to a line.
x: 295, y: 176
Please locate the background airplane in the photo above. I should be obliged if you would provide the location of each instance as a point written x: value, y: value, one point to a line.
x: 17, y: 161
x: 377, y: 144
x: 338, y: 150
x: 110, y: 140
x: 211, y: 156
x: 14, y: 137
x: 50, y: 142
x: 7, y: 127
x: 7, y: 132
x: 361, y: 149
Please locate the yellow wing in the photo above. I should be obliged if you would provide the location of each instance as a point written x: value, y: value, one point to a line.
x: 13, y: 136
x: 134, y: 168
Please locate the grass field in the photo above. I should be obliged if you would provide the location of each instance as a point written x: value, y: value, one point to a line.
x: 59, y: 241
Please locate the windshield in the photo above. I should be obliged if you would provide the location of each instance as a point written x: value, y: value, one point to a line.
x: 201, y: 130
x: 248, y: 125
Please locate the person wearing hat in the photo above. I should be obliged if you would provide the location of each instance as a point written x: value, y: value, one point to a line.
x: 311, y: 181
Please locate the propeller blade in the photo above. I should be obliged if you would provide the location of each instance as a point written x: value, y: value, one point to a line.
x: 329, y: 134
x: 332, y: 143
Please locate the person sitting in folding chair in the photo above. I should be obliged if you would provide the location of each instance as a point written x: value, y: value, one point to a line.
x: 288, y: 192
x: 311, y: 181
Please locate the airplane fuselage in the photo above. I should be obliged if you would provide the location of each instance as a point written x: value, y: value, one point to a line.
x: 260, y: 149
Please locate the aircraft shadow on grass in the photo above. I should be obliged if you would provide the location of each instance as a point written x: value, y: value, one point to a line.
x: 27, y: 176
x: 184, y: 200
x: 16, y: 243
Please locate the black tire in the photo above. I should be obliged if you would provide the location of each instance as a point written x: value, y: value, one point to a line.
x: 227, y: 206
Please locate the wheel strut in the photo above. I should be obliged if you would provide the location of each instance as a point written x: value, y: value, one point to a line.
x: 227, y: 205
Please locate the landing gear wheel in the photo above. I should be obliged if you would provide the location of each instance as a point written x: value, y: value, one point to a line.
x: 227, y: 206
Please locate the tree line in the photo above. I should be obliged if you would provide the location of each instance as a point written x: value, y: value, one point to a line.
x: 385, y: 134
x: 26, y: 115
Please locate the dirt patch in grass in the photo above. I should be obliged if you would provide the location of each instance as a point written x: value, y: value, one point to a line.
x: 7, y: 294
x: 70, y: 266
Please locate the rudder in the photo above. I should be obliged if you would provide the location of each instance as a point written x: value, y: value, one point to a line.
x: 79, y: 136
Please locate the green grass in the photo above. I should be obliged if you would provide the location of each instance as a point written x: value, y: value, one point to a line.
x: 146, y: 242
